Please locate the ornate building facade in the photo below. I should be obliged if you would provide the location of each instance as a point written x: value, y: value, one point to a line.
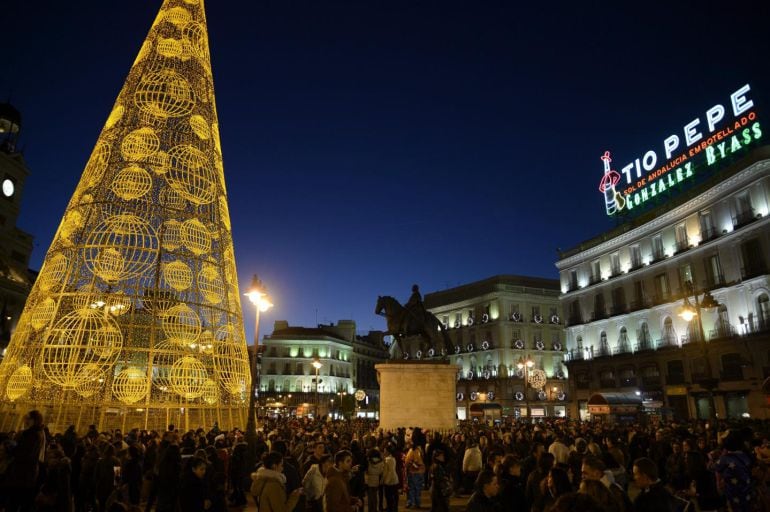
x: 346, y: 366
x: 625, y: 294
x: 497, y: 324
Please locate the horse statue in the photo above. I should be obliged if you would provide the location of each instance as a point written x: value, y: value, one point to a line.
x: 403, y: 322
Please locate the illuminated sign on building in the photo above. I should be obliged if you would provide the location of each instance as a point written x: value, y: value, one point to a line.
x: 703, y: 143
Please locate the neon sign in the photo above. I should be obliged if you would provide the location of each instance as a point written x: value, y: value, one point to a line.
x: 716, y: 139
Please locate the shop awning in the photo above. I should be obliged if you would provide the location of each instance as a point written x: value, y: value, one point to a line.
x: 614, y: 403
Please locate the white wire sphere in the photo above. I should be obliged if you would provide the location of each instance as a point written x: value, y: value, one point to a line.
x: 77, y: 339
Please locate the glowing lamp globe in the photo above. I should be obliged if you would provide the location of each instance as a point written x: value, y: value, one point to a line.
x: 537, y: 378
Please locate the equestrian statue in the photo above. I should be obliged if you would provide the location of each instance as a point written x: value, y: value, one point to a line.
x: 412, y: 319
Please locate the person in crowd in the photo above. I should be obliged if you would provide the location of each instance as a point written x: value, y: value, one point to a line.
x: 733, y: 468
x: 314, y: 483
x: 56, y: 493
x: 594, y: 469
x: 415, y: 471
x: 319, y: 449
x: 105, y: 476
x: 675, y: 467
x: 269, y: 486
x: 338, y: 497
x: 484, y: 495
x: 552, y: 487
x: 217, y: 479
x: 534, y: 491
x: 575, y: 460
x: 238, y: 473
x: 28, y: 455
x: 654, y: 497
x: 131, y: 474
x: 390, y: 481
x: 375, y: 467
x: 511, y: 484
x: 441, y: 484
x: 605, y: 500
x: 559, y: 450
x: 702, y: 483
x: 472, y: 463
x: 169, y: 469
x: 193, y: 496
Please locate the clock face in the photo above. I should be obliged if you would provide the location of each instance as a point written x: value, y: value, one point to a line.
x: 8, y: 187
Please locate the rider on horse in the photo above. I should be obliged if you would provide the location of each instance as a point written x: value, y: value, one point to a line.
x: 415, y: 307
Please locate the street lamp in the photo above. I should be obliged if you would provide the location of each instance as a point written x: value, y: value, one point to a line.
x: 525, y: 364
x: 257, y: 295
x: 687, y: 312
x: 317, y: 365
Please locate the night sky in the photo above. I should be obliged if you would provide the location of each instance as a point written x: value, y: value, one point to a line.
x: 372, y: 145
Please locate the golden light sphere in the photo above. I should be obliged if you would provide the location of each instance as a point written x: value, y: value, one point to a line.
x: 537, y: 378
x: 164, y: 355
x: 19, y: 384
x: 200, y: 127
x: 181, y: 324
x: 164, y: 94
x: 43, y: 314
x: 131, y: 183
x: 187, y: 377
x: 172, y: 235
x: 210, y: 392
x: 120, y: 247
x: 170, y: 198
x: 157, y: 162
x: 97, y: 164
x: 178, y: 16
x: 191, y: 174
x: 196, y: 237
x: 139, y: 144
x: 77, y: 339
x: 178, y: 275
x: 92, y: 380
x: 231, y: 362
x: 211, y: 285
x: 118, y: 304
x: 52, y: 273
x: 130, y: 385
x: 195, y: 33
x: 169, y: 47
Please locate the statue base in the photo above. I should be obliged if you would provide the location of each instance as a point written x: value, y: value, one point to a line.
x: 417, y: 394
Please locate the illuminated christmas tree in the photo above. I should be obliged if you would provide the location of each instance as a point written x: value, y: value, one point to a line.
x: 135, y: 318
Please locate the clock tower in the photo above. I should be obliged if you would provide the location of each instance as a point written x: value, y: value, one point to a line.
x: 15, y: 244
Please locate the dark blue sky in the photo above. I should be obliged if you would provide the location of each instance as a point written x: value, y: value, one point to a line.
x: 370, y: 145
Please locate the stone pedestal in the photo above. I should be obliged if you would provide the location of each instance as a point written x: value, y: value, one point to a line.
x: 417, y: 394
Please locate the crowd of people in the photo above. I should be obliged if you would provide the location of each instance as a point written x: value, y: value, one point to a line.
x: 301, y: 465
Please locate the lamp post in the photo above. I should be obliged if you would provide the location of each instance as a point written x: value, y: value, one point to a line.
x: 687, y: 312
x: 317, y: 365
x: 257, y: 295
x: 525, y: 364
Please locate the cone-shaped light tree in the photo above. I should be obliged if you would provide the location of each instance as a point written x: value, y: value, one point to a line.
x: 135, y: 318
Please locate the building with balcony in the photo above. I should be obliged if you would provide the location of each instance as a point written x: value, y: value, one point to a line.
x: 623, y: 293
x: 347, y: 363
x: 494, y: 324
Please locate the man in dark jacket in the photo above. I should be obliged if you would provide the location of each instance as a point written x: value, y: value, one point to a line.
x: 29, y: 454
x: 654, y: 496
x: 338, y: 497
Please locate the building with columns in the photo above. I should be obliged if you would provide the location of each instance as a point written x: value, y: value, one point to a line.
x: 347, y: 361
x: 494, y: 324
x: 626, y: 293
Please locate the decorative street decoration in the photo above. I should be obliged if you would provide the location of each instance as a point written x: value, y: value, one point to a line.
x: 537, y: 378
x: 135, y: 318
